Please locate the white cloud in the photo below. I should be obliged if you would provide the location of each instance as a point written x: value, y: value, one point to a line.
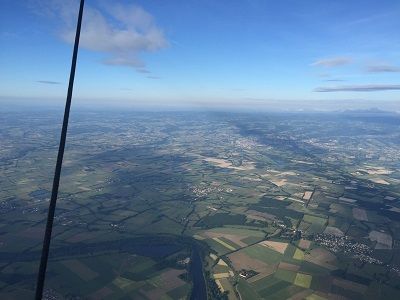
x: 122, y: 32
x: 382, y: 68
x: 332, y: 62
x: 360, y: 88
x: 48, y: 82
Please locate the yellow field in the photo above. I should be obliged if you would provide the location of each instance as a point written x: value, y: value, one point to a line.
x: 224, y: 244
x: 221, y: 275
x: 315, y: 297
x: 221, y: 288
x: 222, y: 263
x: 298, y: 254
x: 213, y: 256
x: 303, y: 280
x: 122, y: 282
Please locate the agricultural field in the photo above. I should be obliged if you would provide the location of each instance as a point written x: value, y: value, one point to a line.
x: 230, y: 205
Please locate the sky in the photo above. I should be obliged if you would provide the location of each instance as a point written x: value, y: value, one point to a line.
x: 203, y: 52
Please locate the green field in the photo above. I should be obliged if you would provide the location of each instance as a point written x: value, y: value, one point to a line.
x: 263, y: 253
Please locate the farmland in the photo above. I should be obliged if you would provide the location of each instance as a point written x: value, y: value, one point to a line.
x: 278, y: 205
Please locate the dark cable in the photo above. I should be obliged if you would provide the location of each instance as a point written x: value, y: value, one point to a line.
x: 57, y: 173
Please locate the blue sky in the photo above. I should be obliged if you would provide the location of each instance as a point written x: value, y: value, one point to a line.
x: 202, y: 51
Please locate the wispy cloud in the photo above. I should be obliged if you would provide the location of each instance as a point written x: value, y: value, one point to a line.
x: 359, y: 88
x: 382, y: 68
x: 332, y: 62
x: 48, y: 82
x: 121, y: 31
x: 143, y: 71
x: 335, y: 80
x: 324, y: 75
x: 367, y: 19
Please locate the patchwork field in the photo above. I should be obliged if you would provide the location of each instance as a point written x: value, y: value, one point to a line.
x: 231, y: 205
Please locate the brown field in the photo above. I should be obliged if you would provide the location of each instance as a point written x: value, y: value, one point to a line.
x: 80, y: 269
x: 298, y: 195
x: 348, y: 200
x: 84, y: 188
x: 278, y: 182
x: 322, y: 257
x: 241, y: 261
x: 350, y: 188
x: 307, y: 195
x: 302, y: 162
x: 333, y: 230
x: 237, y: 239
x: 395, y: 209
x: 288, y: 266
x: 304, y: 244
x: 170, y: 279
x: 380, y: 181
x: 33, y: 233
x: 277, y: 246
x: 80, y: 237
x: 199, y: 237
x: 376, y: 170
x: 222, y: 163
x: 265, y: 216
x: 102, y: 293
x: 154, y: 294
x: 219, y: 162
x: 301, y: 295
x: 384, y: 240
x: 290, y: 173
x: 254, y: 217
x: 269, y: 272
x: 350, y: 285
x: 360, y: 214
x: 251, y: 179
x: 295, y: 200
